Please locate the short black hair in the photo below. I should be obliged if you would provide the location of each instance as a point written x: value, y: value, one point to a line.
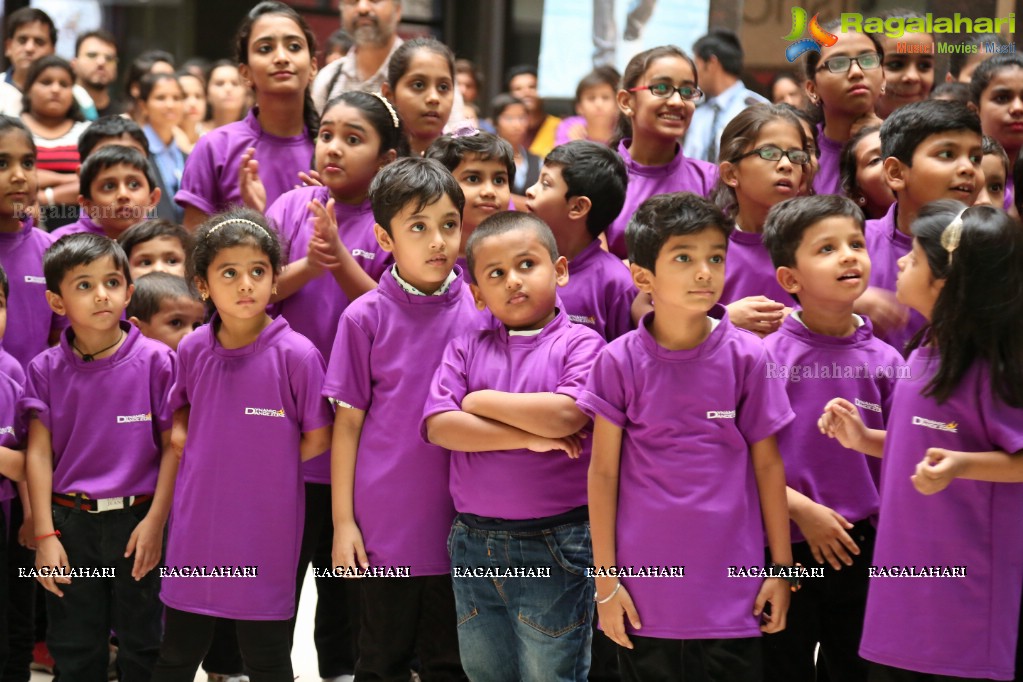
x: 847, y: 165
x: 4, y: 283
x: 508, y: 221
x: 29, y: 15
x: 957, y: 60
x: 602, y: 75
x: 451, y: 150
x: 992, y: 147
x: 113, y: 155
x: 788, y: 221
x: 415, y: 181
x: 235, y: 227
x: 664, y: 216
x: 518, y: 70
x: 152, y: 289
x: 50, y: 61
x: 107, y: 127
x: 148, y: 230
x: 502, y: 102
x: 724, y: 45
x: 74, y: 250
x: 954, y: 91
x: 594, y: 171
x: 99, y: 34
x: 908, y: 126
x: 338, y: 40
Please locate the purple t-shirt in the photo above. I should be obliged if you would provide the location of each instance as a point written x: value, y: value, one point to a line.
x: 815, y: 368
x: 600, y: 292
x: 83, y: 224
x: 687, y: 494
x: 105, y: 417
x: 240, y: 500
x: 749, y: 270
x: 516, y: 484
x: 957, y: 626
x: 829, y: 177
x: 681, y: 174
x: 210, y: 180
x: 396, y: 471
x: 314, y: 310
x: 29, y: 317
x: 12, y: 427
x: 886, y: 244
x: 10, y: 366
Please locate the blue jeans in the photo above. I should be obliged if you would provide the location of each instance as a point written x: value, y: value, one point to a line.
x: 523, y: 628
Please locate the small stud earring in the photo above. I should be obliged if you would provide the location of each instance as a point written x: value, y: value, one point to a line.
x: 861, y: 201
x: 204, y: 296
x: 274, y: 290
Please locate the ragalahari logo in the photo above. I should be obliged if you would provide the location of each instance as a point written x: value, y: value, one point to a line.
x: 818, y: 36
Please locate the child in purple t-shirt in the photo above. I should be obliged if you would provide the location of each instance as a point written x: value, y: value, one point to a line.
x: 165, y: 308
x: 377, y: 454
x: 821, y: 350
x: 247, y: 411
x: 503, y: 401
x: 100, y: 470
x: 581, y: 190
x: 686, y: 474
x: 947, y: 572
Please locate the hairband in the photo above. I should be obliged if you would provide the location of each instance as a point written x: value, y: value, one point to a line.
x: 465, y: 130
x: 950, y: 235
x: 243, y: 221
x: 394, y: 114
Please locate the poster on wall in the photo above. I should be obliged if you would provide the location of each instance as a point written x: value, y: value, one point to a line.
x: 580, y: 35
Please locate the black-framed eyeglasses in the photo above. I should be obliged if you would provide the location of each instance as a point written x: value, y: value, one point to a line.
x: 868, y: 61
x: 689, y: 93
x: 771, y: 153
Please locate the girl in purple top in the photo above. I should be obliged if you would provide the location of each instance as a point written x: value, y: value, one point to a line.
x: 652, y: 120
x: 247, y: 411
x: 845, y: 81
x: 275, y: 49
x: 421, y: 85
x: 963, y: 404
x: 765, y: 159
x: 996, y: 89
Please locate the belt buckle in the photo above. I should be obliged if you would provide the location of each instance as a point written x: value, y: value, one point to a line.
x: 109, y: 504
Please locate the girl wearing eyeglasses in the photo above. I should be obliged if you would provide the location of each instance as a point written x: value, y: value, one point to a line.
x: 765, y: 160
x: 845, y: 82
x: 657, y: 99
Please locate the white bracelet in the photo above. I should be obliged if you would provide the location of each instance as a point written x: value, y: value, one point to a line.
x: 48, y: 193
x: 608, y: 597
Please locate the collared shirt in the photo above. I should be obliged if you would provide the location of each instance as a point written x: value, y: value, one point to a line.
x: 409, y: 289
x: 170, y: 161
x: 731, y: 101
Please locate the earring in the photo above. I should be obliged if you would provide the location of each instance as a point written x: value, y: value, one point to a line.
x: 274, y: 290
x: 882, y: 89
x: 204, y: 296
x: 861, y: 201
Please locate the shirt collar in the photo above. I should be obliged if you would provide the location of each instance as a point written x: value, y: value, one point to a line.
x: 409, y: 289
x: 350, y: 68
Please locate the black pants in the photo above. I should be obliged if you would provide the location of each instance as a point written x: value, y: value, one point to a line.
x: 603, y: 657
x: 265, y: 647
x: 336, y: 622
x: 696, y: 660
x: 79, y: 623
x: 884, y: 673
x: 828, y: 610
x: 224, y: 656
x: 21, y: 601
x: 403, y: 618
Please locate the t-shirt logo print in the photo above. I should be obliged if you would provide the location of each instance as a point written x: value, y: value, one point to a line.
x: 263, y: 412
x: 818, y: 36
x: 951, y: 427
x: 132, y: 418
x: 721, y: 414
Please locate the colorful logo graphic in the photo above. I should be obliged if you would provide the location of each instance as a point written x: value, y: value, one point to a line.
x: 818, y: 36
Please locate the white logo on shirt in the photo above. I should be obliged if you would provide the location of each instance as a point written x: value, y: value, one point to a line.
x: 7, y: 431
x: 368, y: 255
x: 721, y: 414
x: 950, y: 427
x: 263, y: 412
x: 873, y: 407
x: 31, y: 279
x: 582, y: 319
x: 132, y: 418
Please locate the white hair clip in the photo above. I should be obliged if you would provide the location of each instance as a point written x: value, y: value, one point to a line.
x: 951, y: 235
x: 243, y: 221
x: 390, y: 109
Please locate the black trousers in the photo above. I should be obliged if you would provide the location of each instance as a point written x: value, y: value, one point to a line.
x: 603, y: 656
x: 828, y: 610
x: 695, y: 660
x: 336, y: 623
x: 265, y: 647
x: 21, y: 603
x: 405, y: 618
x: 224, y: 656
x: 884, y: 673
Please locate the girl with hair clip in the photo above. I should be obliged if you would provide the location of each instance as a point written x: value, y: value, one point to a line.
x: 421, y: 85
x: 275, y: 49
x: 996, y: 89
x: 248, y: 412
x: 862, y: 173
x: 765, y: 160
x: 657, y: 98
x: 958, y: 413
x: 844, y: 83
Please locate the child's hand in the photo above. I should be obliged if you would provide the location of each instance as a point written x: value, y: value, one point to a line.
x: 825, y: 531
x: 325, y: 248
x: 146, y: 542
x: 26, y: 533
x: 309, y: 179
x: 577, y: 131
x: 50, y: 556
x: 758, y: 314
x: 884, y: 310
x: 777, y: 592
x: 842, y: 420
x: 252, y: 190
x: 571, y: 445
x: 348, y: 547
x: 936, y: 470
x: 612, y: 617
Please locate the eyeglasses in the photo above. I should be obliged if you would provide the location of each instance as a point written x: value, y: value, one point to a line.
x: 771, y: 153
x: 866, y: 61
x: 689, y: 93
